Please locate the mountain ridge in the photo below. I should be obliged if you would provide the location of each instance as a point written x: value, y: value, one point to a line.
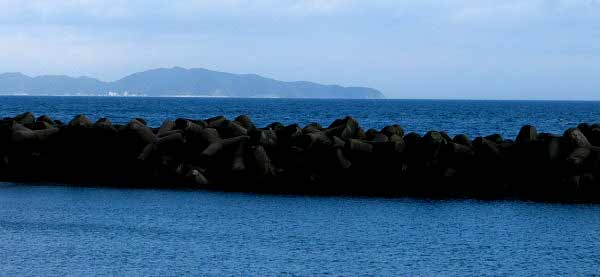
x: 178, y: 81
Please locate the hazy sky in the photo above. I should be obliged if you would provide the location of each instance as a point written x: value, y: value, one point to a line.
x: 490, y: 49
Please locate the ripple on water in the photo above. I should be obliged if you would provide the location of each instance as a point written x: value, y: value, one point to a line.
x: 84, y: 231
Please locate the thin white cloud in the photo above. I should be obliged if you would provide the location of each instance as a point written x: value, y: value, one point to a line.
x: 50, y: 9
x: 319, y: 6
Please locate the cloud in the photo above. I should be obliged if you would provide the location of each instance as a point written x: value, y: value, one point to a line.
x: 53, y: 9
x: 111, y: 9
x: 319, y: 6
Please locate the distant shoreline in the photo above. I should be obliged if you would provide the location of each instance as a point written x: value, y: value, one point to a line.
x: 303, y: 98
x: 178, y: 81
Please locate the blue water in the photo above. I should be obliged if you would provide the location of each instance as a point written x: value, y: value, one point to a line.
x: 53, y: 230
x: 56, y: 230
x: 474, y: 118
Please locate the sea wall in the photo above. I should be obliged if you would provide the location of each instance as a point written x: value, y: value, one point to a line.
x: 342, y: 158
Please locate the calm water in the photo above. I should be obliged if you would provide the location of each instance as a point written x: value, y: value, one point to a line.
x: 52, y: 230
x: 454, y: 116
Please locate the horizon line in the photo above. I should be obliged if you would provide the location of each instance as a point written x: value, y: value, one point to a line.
x: 305, y: 98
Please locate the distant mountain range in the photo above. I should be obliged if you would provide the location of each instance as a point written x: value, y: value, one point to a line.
x: 178, y: 81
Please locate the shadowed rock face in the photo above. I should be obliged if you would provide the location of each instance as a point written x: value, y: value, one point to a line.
x: 219, y: 153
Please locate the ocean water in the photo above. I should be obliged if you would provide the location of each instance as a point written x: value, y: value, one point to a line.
x: 54, y: 230
x: 474, y: 118
x: 49, y: 229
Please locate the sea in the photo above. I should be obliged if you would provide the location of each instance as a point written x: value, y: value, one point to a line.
x: 55, y: 230
x: 470, y: 117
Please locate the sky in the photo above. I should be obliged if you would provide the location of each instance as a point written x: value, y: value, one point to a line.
x: 440, y: 49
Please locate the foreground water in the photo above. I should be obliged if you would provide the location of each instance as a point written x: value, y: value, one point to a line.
x: 54, y: 230
x: 473, y: 118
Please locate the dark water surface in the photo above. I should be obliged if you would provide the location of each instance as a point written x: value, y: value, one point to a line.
x: 473, y: 118
x: 53, y: 230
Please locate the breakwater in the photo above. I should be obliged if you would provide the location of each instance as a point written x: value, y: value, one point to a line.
x: 341, y: 158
